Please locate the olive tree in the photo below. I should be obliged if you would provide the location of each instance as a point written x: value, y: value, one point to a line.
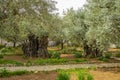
x: 27, y: 21
x: 103, y: 17
x: 95, y: 26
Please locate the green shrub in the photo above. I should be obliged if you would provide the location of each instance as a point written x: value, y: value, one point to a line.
x: 102, y: 58
x: 84, y: 75
x: 77, y: 54
x: 89, y: 77
x: 10, y: 62
x: 19, y: 72
x: 105, y: 57
x: 108, y: 55
x: 1, y: 56
x: 6, y: 73
x: 54, y: 54
x: 117, y: 55
x: 4, y: 50
x: 64, y: 51
x: 81, y: 73
x: 81, y: 77
x: 29, y: 63
x: 63, y: 76
x: 1, y: 46
x: 7, y: 50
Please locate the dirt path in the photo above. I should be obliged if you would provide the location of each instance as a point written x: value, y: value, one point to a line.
x: 55, y: 67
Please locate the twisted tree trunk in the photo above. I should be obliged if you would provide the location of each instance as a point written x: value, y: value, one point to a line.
x: 35, y: 47
x: 43, y: 44
x: 89, y: 50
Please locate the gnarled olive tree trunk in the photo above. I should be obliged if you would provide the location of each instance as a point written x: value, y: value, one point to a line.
x: 35, y: 47
x: 92, y: 50
x: 42, y: 50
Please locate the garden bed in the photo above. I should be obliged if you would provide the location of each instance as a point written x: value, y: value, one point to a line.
x: 98, y: 74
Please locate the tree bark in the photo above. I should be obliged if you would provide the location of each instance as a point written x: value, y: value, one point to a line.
x: 35, y: 47
x: 14, y: 44
x: 43, y: 44
x: 62, y: 45
x: 89, y: 50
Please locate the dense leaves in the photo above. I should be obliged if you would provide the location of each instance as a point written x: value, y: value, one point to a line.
x: 94, y: 27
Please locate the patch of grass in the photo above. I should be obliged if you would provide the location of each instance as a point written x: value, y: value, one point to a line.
x: 81, y: 74
x: 65, y: 51
x: 108, y: 55
x: 28, y: 63
x: 1, y: 56
x: 11, y: 50
x: 6, y: 50
x: 6, y: 73
x: 90, y: 77
x: 80, y: 60
x: 102, y: 58
x: 50, y: 61
x: 1, y: 46
x: 63, y: 76
x: 117, y: 55
x: 57, y: 61
x: 68, y: 51
x: 81, y: 77
x: 54, y: 54
x: 78, y: 54
x: 11, y: 62
x: 105, y: 57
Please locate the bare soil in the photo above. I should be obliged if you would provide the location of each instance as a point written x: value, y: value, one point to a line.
x: 99, y: 74
x: 35, y: 76
x: 19, y: 56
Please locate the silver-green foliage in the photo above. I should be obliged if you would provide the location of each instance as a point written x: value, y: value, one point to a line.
x: 98, y: 23
x: 18, y: 18
x: 103, y: 17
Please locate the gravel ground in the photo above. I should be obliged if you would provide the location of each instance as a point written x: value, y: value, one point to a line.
x: 55, y: 67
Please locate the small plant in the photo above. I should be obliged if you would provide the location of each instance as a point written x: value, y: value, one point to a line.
x: 89, y: 77
x: 81, y: 74
x: 65, y: 51
x: 81, y: 77
x: 108, y: 55
x: 29, y: 63
x: 78, y: 54
x: 63, y: 76
x: 102, y: 58
x: 84, y: 75
x: 10, y: 62
x: 19, y: 72
x: 6, y: 73
x: 1, y: 46
x: 117, y: 55
x: 7, y: 50
x: 1, y: 56
x: 54, y: 54
x: 4, y: 50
